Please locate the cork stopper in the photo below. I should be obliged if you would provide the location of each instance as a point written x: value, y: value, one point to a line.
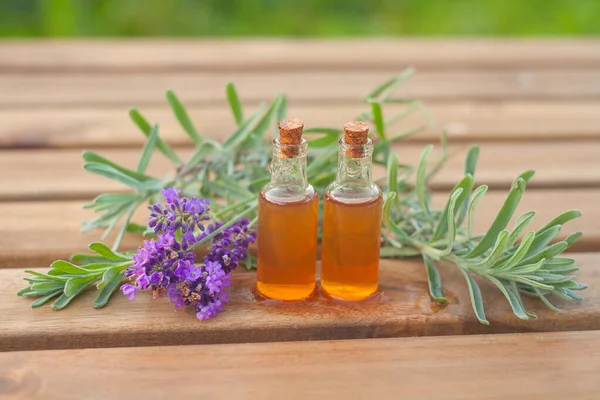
x: 290, y: 135
x: 356, y: 134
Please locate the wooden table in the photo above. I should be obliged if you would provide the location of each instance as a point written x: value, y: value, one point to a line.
x: 529, y: 104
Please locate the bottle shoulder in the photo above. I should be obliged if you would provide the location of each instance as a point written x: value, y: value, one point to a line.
x: 348, y: 192
x: 287, y: 194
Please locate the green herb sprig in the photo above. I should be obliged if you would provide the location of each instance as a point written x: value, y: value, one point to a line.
x: 231, y: 173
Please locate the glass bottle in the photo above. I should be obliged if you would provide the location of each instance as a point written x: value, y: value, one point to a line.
x: 352, y: 221
x: 287, y: 221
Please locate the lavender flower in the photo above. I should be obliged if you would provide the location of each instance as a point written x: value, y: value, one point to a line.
x: 205, y: 292
x: 166, y: 264
x: 230, y: 246
x: 186, y: 213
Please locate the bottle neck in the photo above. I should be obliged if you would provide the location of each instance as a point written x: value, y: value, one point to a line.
x: 288, y: 167
x: 355, y: 162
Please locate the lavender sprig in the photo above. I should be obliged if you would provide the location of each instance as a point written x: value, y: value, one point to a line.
x: 166, y: 264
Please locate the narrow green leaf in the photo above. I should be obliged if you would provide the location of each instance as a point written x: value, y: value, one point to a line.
x: 91, y: 157
x: 377, y: 113
x: 548, y: 253
x: 502, y: 219
x: 518, y: 254
x: 526, y: 176
x: 76, y: 285
x: 522, y: 222
x: 235, y: 104
x: 387, y: 207
x: 470, y: 166
x: 541, y: 241
x: 64, y: 299
x: 392, y: 173
x: 450, y: 224
x: 105, y: 251
x: 183, y: 118
x: 390, y: 84
x: 515, y: 291
x: 323, y: 141
x: 561, y: 219
x: 476, y: 300
x: 477, y: 195
x: 114, y: 174
x: 46, y: 276
x: 123, y: 229
x: 47, y: 286
x: 43, y: 300
x: 146, y: 129
x: 421, y: 183
x: 465, y: 186
x: 109, y: 288
x: 68, y: 268
x: 148, y: 149
x: 572, y: 238
x: 263, y: 124
x: 546, y: 301
x: 434, y: 280
x: 391, y: 251
x: 243, y: 131
x: 515, y: 303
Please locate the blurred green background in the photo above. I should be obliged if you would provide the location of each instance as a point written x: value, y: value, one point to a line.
x: 301, y: 18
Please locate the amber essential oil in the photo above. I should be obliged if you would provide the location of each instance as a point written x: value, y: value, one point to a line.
x: 287, y: 221
x: 352, y: 221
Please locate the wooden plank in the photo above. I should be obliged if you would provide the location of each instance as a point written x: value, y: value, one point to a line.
x: 260, y: 54
x: 404, y: 310
x: 33, y: 234
x: 84, y: 127
x: 549, y: 366
x: 57, y: 174
x: 54, y: 90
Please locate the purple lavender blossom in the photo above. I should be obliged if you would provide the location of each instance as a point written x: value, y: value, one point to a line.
x: 230, y: 246
x: 186, y: 213
x: 166, y: 264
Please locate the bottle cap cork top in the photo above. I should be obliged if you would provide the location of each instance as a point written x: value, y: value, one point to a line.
x: 356, y: 134
x: 290, y: 134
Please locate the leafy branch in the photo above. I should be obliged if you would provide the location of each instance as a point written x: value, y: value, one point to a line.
x: 231, y: 174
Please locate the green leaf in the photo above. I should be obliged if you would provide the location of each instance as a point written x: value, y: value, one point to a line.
x: 378, y: 118
x: 518, y: 254
x: 522, y: 222
x: 148, y: 149
x: 392, y: 173
x: 387, y: 207
x: 109, y: 288
x: 263, y: 125
x: 43, y: 300
x: 112, y: 173
x: 235, y: 104
x: 105, y: 251
x: 421, y: 183
x: 65, y: 299
x: 434, y: 280
x: 242, y: 132
x: 327, y: 131
x: 392, y: 251
x: 123, y: 229
x: 548, y: 253
x: 573, y: 237
x: 146, y: 129
x: 470, y: 165
x: 515, y: 303
x: 546, y: 301
x: 477, y: 195
x: 68, y: 268
x: 502, y: 219
x: 75, y: 285
x: 389, y: 85
x: 323, y: 141
x: 93, y: 158
x: 449, y: 217
x: 47, y: 287
x: 561, y: 219
x: 183, y: 118
x: 452, y: 206
x: 476, y: 300
x: 541, y: 241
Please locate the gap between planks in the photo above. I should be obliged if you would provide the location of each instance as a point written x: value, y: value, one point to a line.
x: 316, y: 87
x: 404, y: 310
x: 275, y: 54
x: 34, y: 234
x: 553, y: 366
x: 465, y: 121
x: 58, y: 174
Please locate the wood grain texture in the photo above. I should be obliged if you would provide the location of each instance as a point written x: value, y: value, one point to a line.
x: 314, y: 87
x: 33, y: 234
x: 58, y: 174
x: 552, y: 366
x: 354, y: 53
x: 405, y: 309
x: 83, y: 127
